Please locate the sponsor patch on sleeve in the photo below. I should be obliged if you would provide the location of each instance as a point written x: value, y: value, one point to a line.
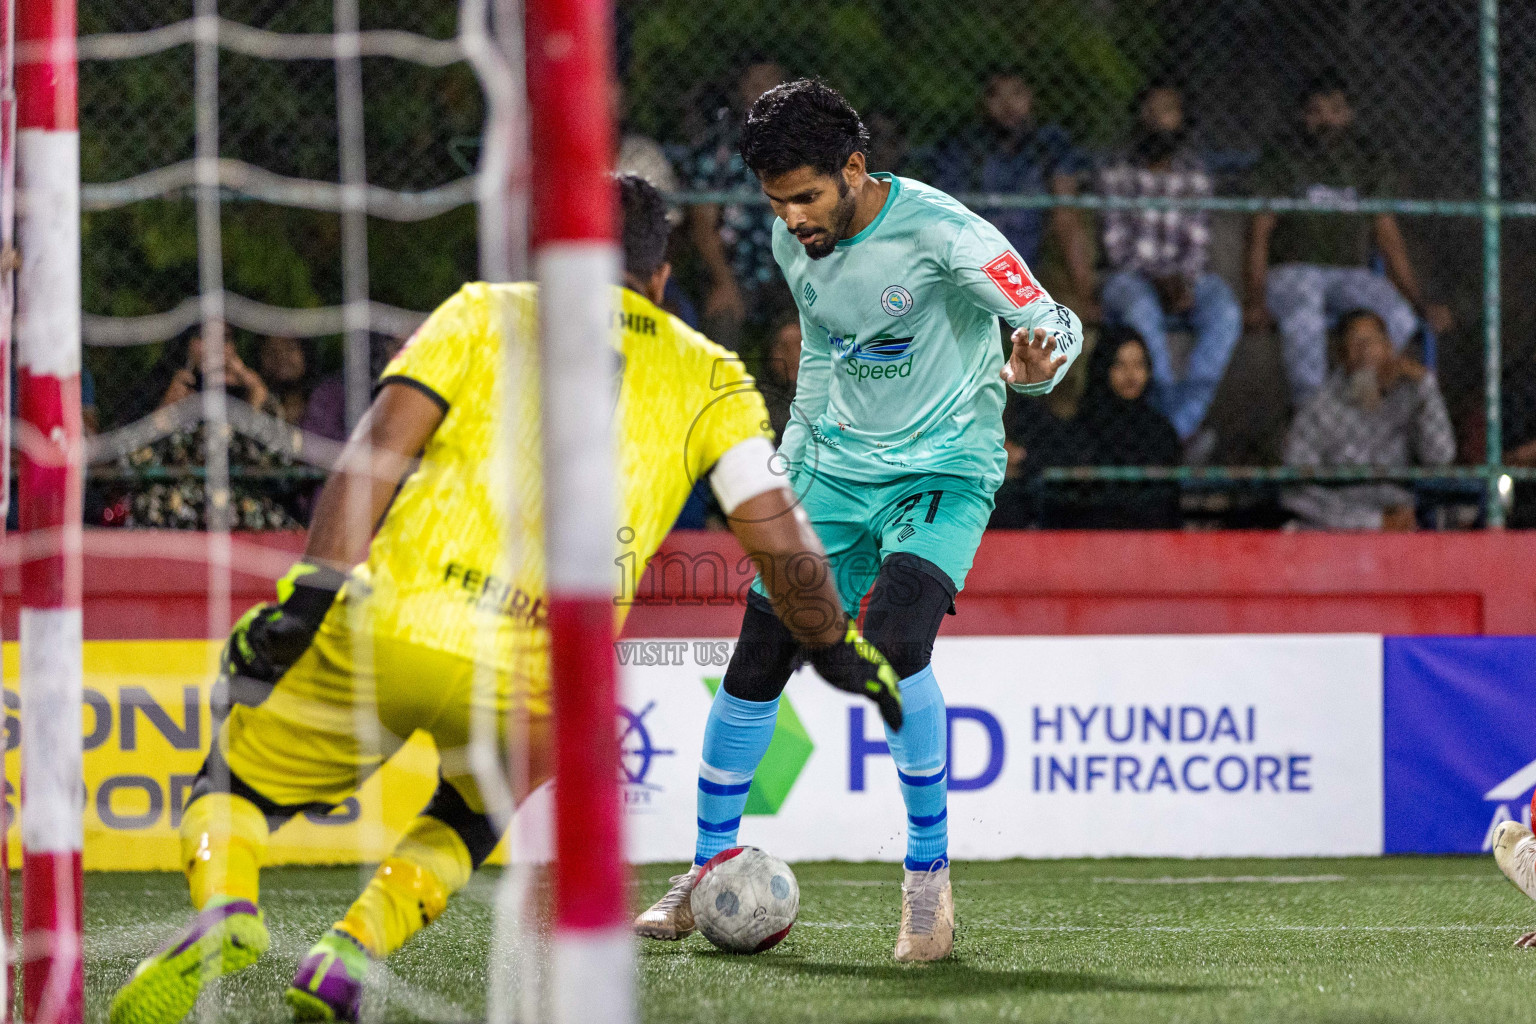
x: 1009, y: 274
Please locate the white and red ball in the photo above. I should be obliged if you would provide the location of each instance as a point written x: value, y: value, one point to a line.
x: 745, y: 900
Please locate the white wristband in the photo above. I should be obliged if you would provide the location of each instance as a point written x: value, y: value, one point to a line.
x: 747, y: 469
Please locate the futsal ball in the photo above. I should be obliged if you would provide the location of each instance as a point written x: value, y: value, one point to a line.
x: 745, y: 900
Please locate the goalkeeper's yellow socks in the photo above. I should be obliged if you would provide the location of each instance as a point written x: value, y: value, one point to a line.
x: 223, y: 841
x: 410, y: 888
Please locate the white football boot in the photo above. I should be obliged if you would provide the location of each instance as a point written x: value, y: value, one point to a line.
x: 927, y: 916
x: 1514, y: 851
x: 671, y: 917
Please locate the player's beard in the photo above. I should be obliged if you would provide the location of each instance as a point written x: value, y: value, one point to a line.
x: 842, y: 216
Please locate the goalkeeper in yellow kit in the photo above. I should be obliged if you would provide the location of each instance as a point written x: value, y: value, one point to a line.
x: 436, y: 602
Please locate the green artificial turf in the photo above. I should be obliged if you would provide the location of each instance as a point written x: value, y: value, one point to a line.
x: 1401, y: 939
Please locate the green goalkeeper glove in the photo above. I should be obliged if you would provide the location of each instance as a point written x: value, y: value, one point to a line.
x: 855, y: 665
x: 269, y: 638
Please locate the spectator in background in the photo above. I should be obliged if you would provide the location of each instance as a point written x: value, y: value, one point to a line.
x: 645, y: 158
x: 1009, y: 152
x: 734, y: 242
x: 1123, y: 428
x: 781, y: 369
x: 1518, y: 417
x: 888, y: 146
x: 326, y: 413
x: 285, y: 368
x: 1158, y: 260
x: 179, y: 373
x: 1378, y: 408
x: 1304, y: 269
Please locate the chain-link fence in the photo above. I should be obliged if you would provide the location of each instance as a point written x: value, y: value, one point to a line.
x: 1213, y: 183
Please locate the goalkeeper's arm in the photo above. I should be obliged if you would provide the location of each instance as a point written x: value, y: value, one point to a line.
x: 269, y: 638
x: 766, y: 517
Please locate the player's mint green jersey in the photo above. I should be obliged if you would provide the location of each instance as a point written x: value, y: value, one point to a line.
x: 901, y: 351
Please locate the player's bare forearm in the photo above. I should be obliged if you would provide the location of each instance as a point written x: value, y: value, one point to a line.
x: 775, y: 532
x: 1394, y: 253
x: 378, y: 455
x: 1256, y: 262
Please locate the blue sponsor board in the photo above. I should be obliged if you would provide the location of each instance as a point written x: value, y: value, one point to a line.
x: 1459, y: 740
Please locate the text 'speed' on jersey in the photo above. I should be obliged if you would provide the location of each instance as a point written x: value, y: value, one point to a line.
x: 438, y: 569
x: 901, y: 351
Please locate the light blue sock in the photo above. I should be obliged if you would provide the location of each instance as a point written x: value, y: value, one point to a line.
x: 921, y: 756
x: 735, y: 740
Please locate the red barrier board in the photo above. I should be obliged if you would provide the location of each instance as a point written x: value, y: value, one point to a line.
x: 152, y: 584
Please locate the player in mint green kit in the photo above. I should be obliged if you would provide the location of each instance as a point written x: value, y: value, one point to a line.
x: 895, y: 445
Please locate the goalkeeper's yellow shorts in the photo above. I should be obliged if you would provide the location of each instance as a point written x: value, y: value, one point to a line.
x: 345, y: 706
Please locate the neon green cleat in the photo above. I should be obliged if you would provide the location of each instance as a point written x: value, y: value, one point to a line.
x: 228, y: 936
x: 328, y: 985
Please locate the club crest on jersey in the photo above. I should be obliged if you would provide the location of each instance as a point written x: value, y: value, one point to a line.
x: 1012, y: 278
x: 896, y: 300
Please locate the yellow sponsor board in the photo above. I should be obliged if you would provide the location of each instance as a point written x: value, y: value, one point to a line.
x: 146, y: 728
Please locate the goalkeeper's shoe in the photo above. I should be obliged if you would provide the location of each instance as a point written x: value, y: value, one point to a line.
x: 927, y: 915
x: 228, y: 936
x: 671, y: 917
x: 329, y: 983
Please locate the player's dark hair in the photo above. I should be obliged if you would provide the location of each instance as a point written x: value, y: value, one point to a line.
x: 1325, y: 83
x: 804, y: 123
x: 644, y: 213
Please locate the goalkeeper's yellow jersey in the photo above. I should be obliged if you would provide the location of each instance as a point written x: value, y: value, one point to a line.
x: 439, y: 570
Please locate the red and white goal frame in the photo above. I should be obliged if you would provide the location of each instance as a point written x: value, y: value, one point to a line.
x: 569, y: 58
x: 569, y: 54
x: 49, y: 497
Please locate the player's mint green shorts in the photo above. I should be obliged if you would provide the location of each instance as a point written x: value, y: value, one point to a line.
x: 936, y: 517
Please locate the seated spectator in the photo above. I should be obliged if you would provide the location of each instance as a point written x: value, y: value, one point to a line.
x: 179, y: 373
x: 781, y: 369
x: 285, y: 368
x: 1116, y: 425
x: 1035, y: 440
x: 734, y: 242
x: 1319, y: 260
x: 1378, y: 408
x: 1124, y: 428
x: 1518, y: 416
x: 326, y: 412
x: 1009, y: 152
x: 173, y: 496
x: 1158, y: 260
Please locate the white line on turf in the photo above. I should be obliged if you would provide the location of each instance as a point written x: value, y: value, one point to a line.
x: 962, y: 882
x: 1197, y: 929
x: 1223, y: 880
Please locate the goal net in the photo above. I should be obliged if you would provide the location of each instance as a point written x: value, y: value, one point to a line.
x: 259, y: 187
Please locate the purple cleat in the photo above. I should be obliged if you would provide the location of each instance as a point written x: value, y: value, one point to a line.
x: 329, y: 983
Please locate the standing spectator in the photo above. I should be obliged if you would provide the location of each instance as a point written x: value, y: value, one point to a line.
x: 735, y: 242
x: 1123, y: 428
x: 1319, y: 260
x: 1158, y: 260
x: 1008, y: 152
x: 1379, y: 408
x: 284, y: 366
